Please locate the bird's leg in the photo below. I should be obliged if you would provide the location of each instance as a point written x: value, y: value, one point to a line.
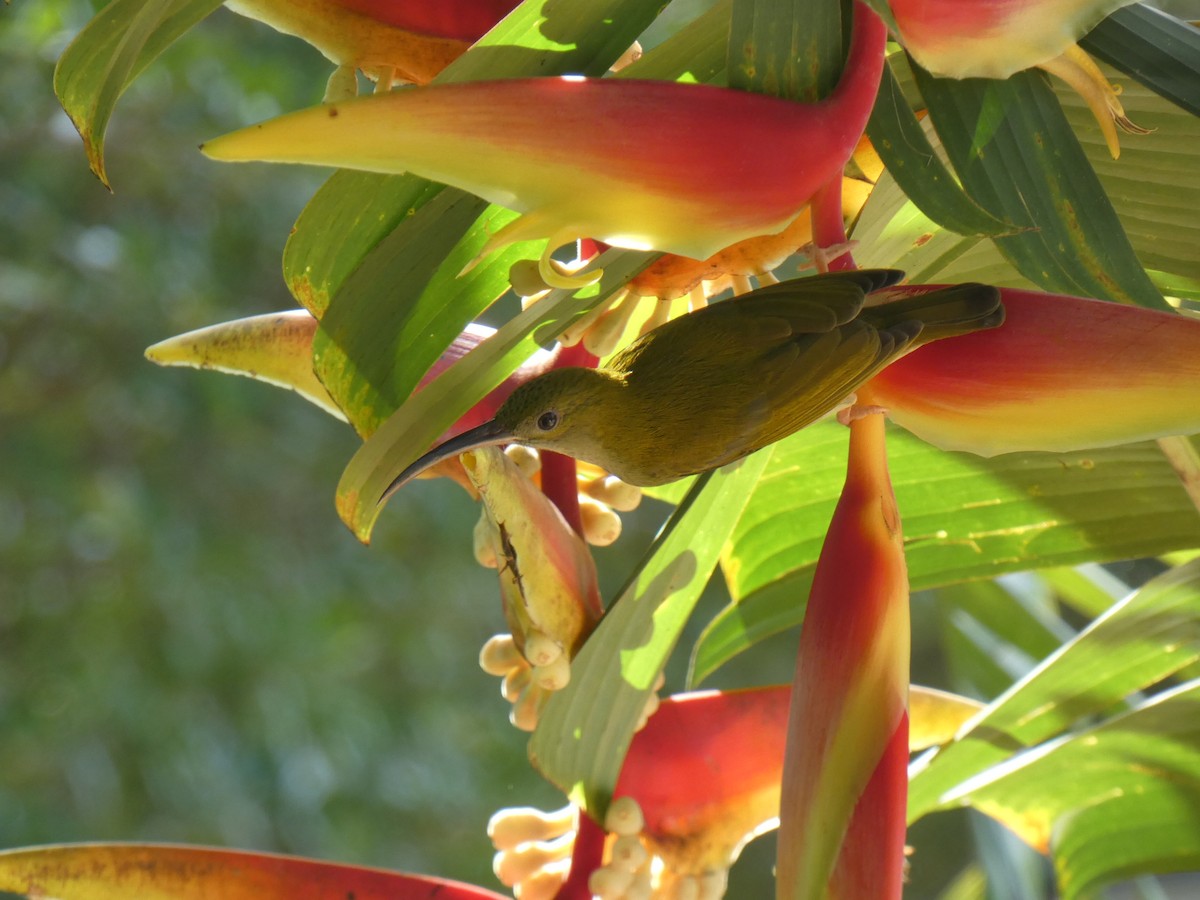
x: 829, y: 229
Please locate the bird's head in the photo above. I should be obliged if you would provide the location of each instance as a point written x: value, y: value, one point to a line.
x: 563, y: 410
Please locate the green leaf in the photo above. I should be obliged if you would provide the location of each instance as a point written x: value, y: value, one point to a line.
x: 696, y: 52
x: 423, y: 417
x: 1153, y: 186
x: 1150, y: 186
x: 111, y: 51
x: 585, y: 730
x: 1145, y: 638
x: 910, y: 158
x: 786, y: 48
x: 992, y: 636
x: 1157, y: 49
x: 1018, y: 157
x: 373, y: 355
x: 964, y: 518
x: 1111, y: 803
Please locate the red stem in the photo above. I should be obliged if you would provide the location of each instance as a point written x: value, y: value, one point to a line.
x: 878, y: 823
x: 586, y: 857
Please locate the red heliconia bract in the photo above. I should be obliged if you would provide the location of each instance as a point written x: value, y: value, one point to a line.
x: 682, y: 168
x: 1061, y: 374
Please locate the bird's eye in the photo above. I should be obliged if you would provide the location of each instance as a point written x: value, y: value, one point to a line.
x: 548, y: 420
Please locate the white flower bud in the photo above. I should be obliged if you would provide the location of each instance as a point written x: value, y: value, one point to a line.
x: 624, y: 817
x: 500, y: 655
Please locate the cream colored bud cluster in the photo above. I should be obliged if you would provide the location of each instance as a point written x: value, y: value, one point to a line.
x: 601, y: 497
x: 533, y: 849
x: 633, y: 872
x: 529, y: 677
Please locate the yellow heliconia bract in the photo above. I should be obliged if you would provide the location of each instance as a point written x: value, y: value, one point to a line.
x: 547, y: 576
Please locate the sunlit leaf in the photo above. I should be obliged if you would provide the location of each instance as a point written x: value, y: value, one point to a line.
x: 111, y: 51
x: 1145, y: 638
x: 1110, y: 803
x: 585, y: 730
x: 964, y: 518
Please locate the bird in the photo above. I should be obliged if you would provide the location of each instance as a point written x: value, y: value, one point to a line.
x: 713, y: 386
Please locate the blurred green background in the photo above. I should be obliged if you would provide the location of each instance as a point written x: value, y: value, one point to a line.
x: 192, y: 647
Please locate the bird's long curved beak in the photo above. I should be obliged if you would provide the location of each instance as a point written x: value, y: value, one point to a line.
x: 488, y: 434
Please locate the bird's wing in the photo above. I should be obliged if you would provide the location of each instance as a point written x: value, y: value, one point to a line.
x: 722, y: 334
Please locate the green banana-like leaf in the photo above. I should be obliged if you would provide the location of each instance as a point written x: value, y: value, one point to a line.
x: 1111, y: 803
x: 585, y: 730
x: 1150, y: 186
x: 1018, y: 157
x: 963, y: 517
x: 1145, y: 638
x: 111, y: 51
x: 1157, y: 49
x: 786, y: 48
x: 911, y: 160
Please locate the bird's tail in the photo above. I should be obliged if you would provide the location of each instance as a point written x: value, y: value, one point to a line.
x: 948, y: 312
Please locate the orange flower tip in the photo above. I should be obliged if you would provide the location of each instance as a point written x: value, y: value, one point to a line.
x: 525, y: 280
x: 854, y: 411
x: 524, y: 458
x: 342, y: 85
x: 613, y: 492
x: 484, y: 540
x: 556, y: 275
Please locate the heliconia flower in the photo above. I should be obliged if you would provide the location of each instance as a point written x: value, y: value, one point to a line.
x: 405, y: 40
x: 1061, y: 374
x: 995, y: 38
x: 547, y: 576
x: 148, y: 871
x: 704, y: 777
x: 842, y: 811
x: 662, y: 170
